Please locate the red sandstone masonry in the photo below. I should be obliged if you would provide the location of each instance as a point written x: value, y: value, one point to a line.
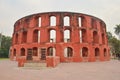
x: 87, y: 38
x: 52, y: 61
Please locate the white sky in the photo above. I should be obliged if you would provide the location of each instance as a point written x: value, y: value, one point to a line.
x: 12, y: 10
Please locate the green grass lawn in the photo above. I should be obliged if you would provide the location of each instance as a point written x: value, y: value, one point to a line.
x: 4, y: 58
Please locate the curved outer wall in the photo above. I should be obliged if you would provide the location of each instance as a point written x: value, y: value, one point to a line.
x: 43, y: 34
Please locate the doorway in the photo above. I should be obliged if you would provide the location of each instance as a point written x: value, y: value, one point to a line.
x: 29, y: 54
x: 43, y: 53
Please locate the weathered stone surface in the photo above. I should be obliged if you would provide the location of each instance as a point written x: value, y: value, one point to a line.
x: 43, y: 34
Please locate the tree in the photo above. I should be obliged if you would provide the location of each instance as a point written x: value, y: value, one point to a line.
x: 114, y: 44
x: 0, y: 39
x: 109, y: 36
x: 117, y: 30
x: 5, y: 45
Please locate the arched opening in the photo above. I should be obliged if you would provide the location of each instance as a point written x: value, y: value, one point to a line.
x: 35, y: 51
x: 14, y: 52
x: 66, y: 21
x: 67, y: 36
x: 95, y: 37
x: 52, y: 36
x: 103, y: 38
x: 51, y: 51
x: 83, y: 21
x: 24, y: 37
x: 36, y: 36
x: 84, y: 52
x: 68, y: 52
x: 16, y: 38
x: 79, y: 21
x: 97, y: 53
x: 52, y: 21
x: 105, y: 52
x: 22, y: 52
x: 83, y: 35
x: 39, y: 21
x: 80, y: 33
x: 94, y: 24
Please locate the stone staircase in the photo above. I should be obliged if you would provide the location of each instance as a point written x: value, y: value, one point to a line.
x: 34, y: 65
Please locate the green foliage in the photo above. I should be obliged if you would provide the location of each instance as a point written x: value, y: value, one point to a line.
x: 114, y: 43
x: 117, y: 30
x: 5, y: 45
x: 109, y: 35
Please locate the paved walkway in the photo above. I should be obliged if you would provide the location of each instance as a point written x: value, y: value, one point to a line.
x: 109, y: 70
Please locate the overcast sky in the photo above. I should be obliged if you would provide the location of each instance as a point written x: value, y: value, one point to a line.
x: 12, y: 10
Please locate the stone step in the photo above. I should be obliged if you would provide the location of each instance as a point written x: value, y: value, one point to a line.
x: 34, y: 64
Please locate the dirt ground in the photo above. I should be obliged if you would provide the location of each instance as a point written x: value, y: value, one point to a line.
x: 109, y: 70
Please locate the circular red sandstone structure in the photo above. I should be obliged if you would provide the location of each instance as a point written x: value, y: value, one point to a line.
x: 74, y: 37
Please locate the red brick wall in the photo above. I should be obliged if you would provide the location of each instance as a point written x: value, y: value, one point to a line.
x: 52, y: 61
x: 30, y: 23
